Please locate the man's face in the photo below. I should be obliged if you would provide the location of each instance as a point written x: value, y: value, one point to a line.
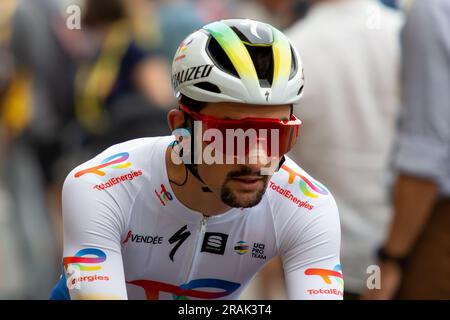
x: 240, y: 185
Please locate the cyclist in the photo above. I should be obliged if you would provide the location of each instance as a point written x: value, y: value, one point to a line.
x: 165, y: 218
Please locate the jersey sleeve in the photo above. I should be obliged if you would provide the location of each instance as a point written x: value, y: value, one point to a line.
x: 310, y: 251
x: 93, y: 225
x: 308, y: 235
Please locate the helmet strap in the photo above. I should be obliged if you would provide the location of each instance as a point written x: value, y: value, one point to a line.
x: 192, y: 167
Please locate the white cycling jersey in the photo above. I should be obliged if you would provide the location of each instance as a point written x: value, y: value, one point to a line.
x: 127, y: 236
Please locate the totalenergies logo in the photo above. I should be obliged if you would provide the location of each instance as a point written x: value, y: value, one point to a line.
x: 95, y: 256
x: 117, y: 161
x: 309, y: 188
x: 327, y: 274
x: 190, y: 289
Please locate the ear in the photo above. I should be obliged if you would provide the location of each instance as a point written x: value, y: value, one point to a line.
x: 175, y: 118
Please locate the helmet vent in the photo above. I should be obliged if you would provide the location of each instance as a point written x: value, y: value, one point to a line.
x: 208, y: 86
x: 262, y: 57
x: 261, y: 36
x: 219, y: 57
x: 240, y: 34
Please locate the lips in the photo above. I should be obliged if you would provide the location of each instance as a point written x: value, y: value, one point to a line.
x: 247, y: 182
x: 248, y: 179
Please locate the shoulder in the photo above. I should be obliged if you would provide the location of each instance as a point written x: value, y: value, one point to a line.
x: 97, y: 195
x: 292, y: 188
x: 124, y: 165
x: 303, y: 209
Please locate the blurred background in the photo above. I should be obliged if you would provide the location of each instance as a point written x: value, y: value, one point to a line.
x: 77, y: 76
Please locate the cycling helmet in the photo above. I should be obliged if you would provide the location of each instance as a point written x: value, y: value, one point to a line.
x: 238, y: 60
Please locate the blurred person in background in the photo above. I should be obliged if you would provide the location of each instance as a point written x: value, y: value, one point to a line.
x: 415, y: 258
x: 398, y: 4
x: 285, y: 13
x: 177, y: 18
x: 30, y: 117
x: 48, y: 121
x: 121, y: 85
x: 351, y: 57
x: 281, y: 13
x: 40, y: 56
x: 12, y: 284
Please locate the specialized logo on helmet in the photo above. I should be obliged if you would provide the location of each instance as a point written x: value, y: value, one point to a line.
x: 192, y: 73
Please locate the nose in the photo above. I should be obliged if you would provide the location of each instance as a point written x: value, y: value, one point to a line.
x: 264, y: 157
x: 257, y: 154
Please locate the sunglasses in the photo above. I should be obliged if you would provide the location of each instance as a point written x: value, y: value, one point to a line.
x: 276, y: 136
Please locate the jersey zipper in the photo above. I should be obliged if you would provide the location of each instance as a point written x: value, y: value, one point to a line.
x: 198, y: 241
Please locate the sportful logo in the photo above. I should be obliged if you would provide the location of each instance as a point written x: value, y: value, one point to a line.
x: 241, y: 247
x: 309, y: 188
x: 117, y: 161
x: 80, y: 259
x: 164, y: 196
x: 325, y: 274
x: 214, y: 242
x: 182, y: 292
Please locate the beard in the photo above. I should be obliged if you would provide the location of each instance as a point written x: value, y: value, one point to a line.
x: 235, y: 199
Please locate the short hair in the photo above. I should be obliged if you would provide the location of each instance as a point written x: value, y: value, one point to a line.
x: 192, y: 104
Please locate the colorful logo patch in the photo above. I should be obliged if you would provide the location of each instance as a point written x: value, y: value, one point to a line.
x: 309, y: 188
x: 327, y: 274
x: 164, y: 196
x: 222, y: 288
x: 241, y: 247
x: 182, y: 48
x: 117, y: 161
x: 80, y: 259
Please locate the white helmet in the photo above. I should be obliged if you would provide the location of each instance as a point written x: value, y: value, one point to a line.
x: 238, y: 60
